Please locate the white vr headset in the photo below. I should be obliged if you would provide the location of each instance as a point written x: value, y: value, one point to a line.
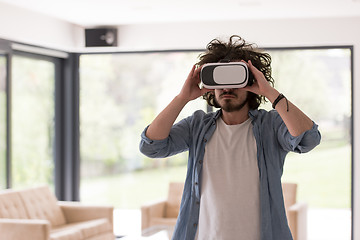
x: 226, y: 75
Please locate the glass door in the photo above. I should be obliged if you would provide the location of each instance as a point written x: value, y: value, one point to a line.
x: 32, y: 128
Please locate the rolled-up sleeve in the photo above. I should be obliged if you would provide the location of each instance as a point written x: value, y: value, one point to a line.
x: 302, y: 143
x: 176, y: 142
x: 151, y: 148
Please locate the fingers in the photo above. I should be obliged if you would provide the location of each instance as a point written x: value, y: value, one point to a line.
x: 253, y: 69
x: 197, y: 72
x: 191, y: 74
x: 194, y: 73
x: 258, y: 75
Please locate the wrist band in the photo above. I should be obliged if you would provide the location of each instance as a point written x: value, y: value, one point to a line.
x: 277, y: 100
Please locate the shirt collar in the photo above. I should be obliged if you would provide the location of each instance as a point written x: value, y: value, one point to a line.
x: 253, y: 113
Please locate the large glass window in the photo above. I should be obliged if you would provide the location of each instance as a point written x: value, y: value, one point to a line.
x: 119, y: 95
x: 319, y: 82
x: 3, y: 121
x: 33, y: 82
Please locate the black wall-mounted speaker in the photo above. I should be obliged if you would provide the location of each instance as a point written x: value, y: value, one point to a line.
x: 101, y: 37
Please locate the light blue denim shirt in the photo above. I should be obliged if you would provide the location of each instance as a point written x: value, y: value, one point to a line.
x: 273, y: 142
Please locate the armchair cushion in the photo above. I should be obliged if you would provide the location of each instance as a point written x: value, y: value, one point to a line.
x: 11, y: 205
x: 67, y: 234
x: 173, y: 201
x: 12, y: 229
x: 163, y: 221
x: 296, y: 212
x: 163, y: 212
x: 76, y: 212
x: 40, y: 203
x: 83, y: 230
x: 150, y: 211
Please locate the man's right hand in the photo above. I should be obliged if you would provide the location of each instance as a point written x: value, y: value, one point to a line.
x: 161, y: 126
x: 191, y: 89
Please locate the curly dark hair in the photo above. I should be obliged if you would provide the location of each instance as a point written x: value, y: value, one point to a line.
x: 235, y: 50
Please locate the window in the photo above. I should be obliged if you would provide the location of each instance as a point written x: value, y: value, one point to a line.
x: 3, y: 67
x: 318, y: 81
x: 120, y: 94
x: 33, y: 82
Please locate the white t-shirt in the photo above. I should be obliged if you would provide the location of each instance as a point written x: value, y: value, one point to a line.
x: 230, y: 204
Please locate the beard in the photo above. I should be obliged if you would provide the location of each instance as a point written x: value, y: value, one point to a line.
x: 229, y: 105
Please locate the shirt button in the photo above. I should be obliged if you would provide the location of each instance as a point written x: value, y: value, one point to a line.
x: 197, y: 202
x: 195, y: 224
x: 200, y: 161
x: 196, y: 183
x: 205, y: 140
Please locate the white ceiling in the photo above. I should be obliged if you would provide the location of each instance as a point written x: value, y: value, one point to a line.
x: 90, y: 13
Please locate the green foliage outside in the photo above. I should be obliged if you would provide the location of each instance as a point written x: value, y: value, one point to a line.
x: 119, y: 96
x: 329, y: 189
x: 319, y: 82
x: 32, y: 129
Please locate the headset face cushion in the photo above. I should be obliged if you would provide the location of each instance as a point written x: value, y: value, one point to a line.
x: 225, y: 75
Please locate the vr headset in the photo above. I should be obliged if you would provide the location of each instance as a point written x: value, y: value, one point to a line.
x: 226, y: 75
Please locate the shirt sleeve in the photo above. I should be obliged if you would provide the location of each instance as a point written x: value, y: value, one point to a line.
x: 176, y: 142
x: 300, y: 144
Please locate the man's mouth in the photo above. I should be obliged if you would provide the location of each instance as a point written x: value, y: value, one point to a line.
x: 228, y: 95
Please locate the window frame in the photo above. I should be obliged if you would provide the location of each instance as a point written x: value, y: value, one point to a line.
x: 65, y: 113
x: 350, y: 47
x: 66, y: 148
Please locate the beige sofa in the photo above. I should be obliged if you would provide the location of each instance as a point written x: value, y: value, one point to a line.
x: 36, y: 214
x: 163, y: 213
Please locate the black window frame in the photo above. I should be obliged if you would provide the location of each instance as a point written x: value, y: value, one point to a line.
x: 66, y: 115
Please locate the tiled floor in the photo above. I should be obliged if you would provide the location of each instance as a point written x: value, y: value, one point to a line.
x: 323, y: 224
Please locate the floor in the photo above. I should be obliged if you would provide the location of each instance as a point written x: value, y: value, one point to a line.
x: 323, y: 224
x: 329, y: 224
x: 127, y: 222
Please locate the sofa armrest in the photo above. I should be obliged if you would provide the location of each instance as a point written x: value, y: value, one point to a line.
x: 297, y: 218
x: 152, y: 210
x: 77, y: 212
x: 24, y: 228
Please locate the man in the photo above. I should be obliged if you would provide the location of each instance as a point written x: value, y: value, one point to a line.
x: 236, y: 155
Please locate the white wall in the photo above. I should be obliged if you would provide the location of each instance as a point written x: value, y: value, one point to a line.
x: 28, y: 27
x: 266, y: 33
x: 22, y: 26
